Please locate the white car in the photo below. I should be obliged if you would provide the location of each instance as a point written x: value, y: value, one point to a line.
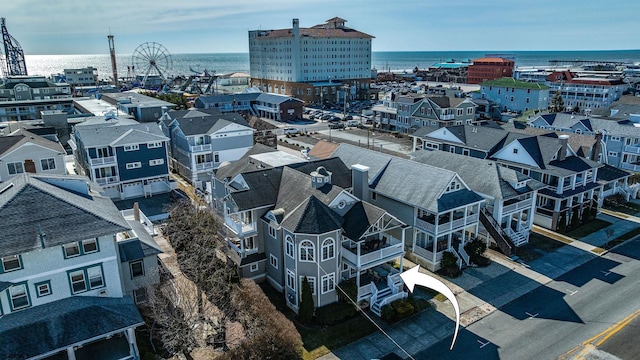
x: 290, y: 130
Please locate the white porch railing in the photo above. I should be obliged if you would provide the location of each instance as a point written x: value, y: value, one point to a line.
x: 425, y: 225
x: 107, y: 180
x: 200, y: 148
x: 366, y: 291
x: 518, y: 238
x: 103, y: 160
x: 238, y: 227
x: 447, y: 117
x: 424, y: 253
x: 632, y: 149
x: 463, y: 254
x: 524, y: 204
x: 394, y: 249
x: 204, y: 166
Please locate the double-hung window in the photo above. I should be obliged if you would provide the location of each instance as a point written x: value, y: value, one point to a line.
x: 19, y: 297
x: 15, y: 168
x: 137, y: 268
x: 48, y: 164
x: 328, y: 283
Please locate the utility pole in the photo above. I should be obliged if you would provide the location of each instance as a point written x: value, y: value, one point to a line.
x: 346, y: 90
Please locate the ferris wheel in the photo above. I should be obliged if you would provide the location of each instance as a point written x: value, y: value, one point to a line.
x: 151, y: 59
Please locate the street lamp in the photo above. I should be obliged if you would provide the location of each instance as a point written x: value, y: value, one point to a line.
x: 346, y: 88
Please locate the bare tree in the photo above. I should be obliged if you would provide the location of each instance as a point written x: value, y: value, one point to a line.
x: 270, y: 335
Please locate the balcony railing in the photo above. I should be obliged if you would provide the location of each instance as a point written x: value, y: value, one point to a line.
x: 392, y: 249
x: 447, y: 117
x: 204, y: 166
x: 200, y: 148
x: 107, y: 180
x: 524, y: 204
x: 472, y: 218
x: 632, y: 149
x: 238, y: 227
x: 103, y: 160
x: 631, y: 167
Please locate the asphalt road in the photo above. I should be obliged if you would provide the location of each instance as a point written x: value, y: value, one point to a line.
x: 560, y: 316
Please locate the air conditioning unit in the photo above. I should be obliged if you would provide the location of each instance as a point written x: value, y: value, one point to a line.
x: 102, y: 293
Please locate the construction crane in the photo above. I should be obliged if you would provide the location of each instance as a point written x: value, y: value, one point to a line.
x: 112, y: 51
x: 13, y: 54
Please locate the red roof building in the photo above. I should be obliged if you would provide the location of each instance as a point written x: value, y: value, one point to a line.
x: 485, y: 69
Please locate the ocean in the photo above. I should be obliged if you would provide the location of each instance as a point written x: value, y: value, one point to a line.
x: 224, y: 63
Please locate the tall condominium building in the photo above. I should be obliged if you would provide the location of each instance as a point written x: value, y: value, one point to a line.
x: 313, y: 64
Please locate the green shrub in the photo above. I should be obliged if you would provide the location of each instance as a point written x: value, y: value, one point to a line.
x: 334, y: 313
x: 350, y: 288
x: 388, y: 313
x: 418, y: 304
x: 403, y: 308
x: 306, y: 303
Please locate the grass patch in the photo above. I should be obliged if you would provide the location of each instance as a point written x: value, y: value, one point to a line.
x: 588, y: 228
x: 538, y: 246
x: 440, y: 297
x: 317, y: 341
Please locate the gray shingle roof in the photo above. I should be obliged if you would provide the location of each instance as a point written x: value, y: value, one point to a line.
x: 340, y: 173
x: 136, y: 249
x: 118, y: 135
x: 483, y: 176
x: 59, y: 324
x: 421, y: 188
x: 28, y: 203
x: 351, y: 155
x: 9, y: 143
x: 195, y: 122
x: 263, y: 189
x: 276, y: 98
x: 483, y: 138
x: 609, y: 173
x: 359, y: 218
x: 312, y: 217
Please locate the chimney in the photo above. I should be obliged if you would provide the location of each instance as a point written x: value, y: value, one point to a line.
x: 360, y: 181
x: 597, y: 147
x: 564, y: 140
x: 136, y: 211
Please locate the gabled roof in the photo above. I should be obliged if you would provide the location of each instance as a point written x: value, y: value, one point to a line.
x: 30, y: 206
x: 421, y: 188
x: 352, y: 155
x: 483, y: 176
x: 263, y: 189
x: 108, y: 134
x: 359, y: 218
x: 194, y: 122
x: 63, y: 323
x: 21, y: 137
x: 312, y: 217
x: 276, y: 98
x: 482, y: 138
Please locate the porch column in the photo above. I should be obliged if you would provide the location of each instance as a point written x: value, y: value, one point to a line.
x: 133, y: 346
x: 71, y: 354
x: 415, y: 143
x: 402, y: 257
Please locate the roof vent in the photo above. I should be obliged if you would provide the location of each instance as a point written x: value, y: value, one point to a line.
x: 2, y: 191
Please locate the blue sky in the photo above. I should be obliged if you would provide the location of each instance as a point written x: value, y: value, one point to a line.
x: 213, y: 26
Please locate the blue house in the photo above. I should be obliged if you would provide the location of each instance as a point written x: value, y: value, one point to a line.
x: 516, y: 96
x: 127, y: 158
x: 203, y: 139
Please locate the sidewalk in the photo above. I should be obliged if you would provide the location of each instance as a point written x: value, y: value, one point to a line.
x: 479, y: 291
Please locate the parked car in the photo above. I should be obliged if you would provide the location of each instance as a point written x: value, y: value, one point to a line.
x: 348, y: 117
x: 334, y: 119
x: 336, y: 125
x: 290, y: 130
x: 353, y: 123
x: 326, y: 117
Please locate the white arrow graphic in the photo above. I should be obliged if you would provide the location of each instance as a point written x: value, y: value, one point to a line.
x: 412, y: 278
